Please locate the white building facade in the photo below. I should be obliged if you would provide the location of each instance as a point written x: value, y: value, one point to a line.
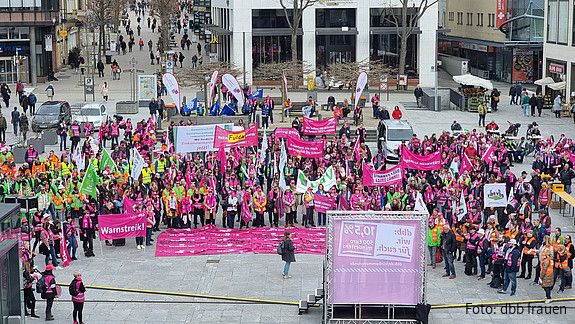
x: 559, y: 45
x: 253, y: 32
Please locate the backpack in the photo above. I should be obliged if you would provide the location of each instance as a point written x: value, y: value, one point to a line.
x: 41, y: 287
x: 280, y: 248
x: 72, y: 289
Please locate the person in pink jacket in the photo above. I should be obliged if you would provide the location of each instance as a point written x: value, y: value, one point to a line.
x: 150, y: 222
x: 210, y: 205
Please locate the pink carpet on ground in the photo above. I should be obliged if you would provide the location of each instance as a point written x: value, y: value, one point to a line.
x: 214, y: 240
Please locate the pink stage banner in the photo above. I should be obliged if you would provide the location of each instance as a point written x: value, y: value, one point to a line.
x: 376, y: 262
x: 286, y: 132
x: 305, y: 149
x: 323, y: 203
x: 118, y: 226
x: 410, y: 160
x: 319, y: 127
x: 391, y: 177
x: 229, y: 139
x: 215, y: 240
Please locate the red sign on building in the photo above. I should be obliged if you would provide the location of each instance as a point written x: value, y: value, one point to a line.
x: 500, y: 12
x: 556, y: 68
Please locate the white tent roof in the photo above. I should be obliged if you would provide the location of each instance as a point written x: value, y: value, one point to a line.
x: 557, y: 86
x: 472, y: 80
x: 544, y: 81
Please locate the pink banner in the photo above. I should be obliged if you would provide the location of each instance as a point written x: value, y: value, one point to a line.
x: 286, y: 132
x: 391, y: 177
x: 319, y: 127
x: 323, y: 203
x: 229, y: 139
x: 376, y: 262
x: 305, y: 149
x: 410, y: 160
x: 214, y: 240
x: 343, y: 203
x: 118, y: 226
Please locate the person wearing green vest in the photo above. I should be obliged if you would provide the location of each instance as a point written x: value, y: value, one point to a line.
x: 433, y: 240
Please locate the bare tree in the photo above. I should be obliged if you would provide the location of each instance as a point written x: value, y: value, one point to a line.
x: 163, y: 9
x: 406, y: 20
x: 297, y: 8
x: 100, y: 13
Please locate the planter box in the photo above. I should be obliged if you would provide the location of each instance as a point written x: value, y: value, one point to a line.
x: 126, y: 107
x: 19, y: 153
x: 50, y: 137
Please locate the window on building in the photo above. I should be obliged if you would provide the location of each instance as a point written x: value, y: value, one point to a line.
x: 388, y: 17
x: 552, y: 21
x: 451, y: 16
x: 469, y: 19
x: 273, y: 49
x: 479, y: 19
x: 490, y: 20
x: 562, y: 20
x: 270, y: 18
x: 460, y: 18
x: 334, y: 18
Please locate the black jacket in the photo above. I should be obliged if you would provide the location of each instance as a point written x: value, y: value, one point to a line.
x: 449, y: 242
x: 289, y: 255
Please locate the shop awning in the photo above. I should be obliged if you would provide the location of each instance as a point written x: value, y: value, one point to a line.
x: 544, y: 81
x: 472, y: 80
x: 218, y: 30
x: 558, y: 85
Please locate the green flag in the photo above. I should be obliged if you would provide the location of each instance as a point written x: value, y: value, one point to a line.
x: 89, y: 182
x: 106, y: 160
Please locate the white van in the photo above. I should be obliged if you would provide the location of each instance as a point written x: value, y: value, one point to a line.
x: 390, y: 134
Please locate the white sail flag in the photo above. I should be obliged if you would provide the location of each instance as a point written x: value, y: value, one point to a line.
x: 234, y: 87
x: 419, y: 203
x: 213, y: 83
x: 462, y: 207
x: 282, y: 164
x: 138, y: 164
x: 360, y: 86
x: 77, y: 157
x: 173, y: 88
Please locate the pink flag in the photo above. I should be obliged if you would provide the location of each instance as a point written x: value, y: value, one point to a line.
x: 129, y: 205
x: 391, y: 177
x: 64, y: 255
x: 465, y: 164
x: 343, y: 203
x: 356, y: 150
x: 410, y: 160
x: 222, y: 158
x: 488, y: 154
x: 306, y: 149
x: 319, y: 127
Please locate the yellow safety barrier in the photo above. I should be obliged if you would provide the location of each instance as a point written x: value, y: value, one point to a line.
x: 289, y: 303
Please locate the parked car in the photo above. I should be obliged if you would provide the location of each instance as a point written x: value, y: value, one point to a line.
x: 50, y: 114
x: 95, y: 113
x: 390, y: 134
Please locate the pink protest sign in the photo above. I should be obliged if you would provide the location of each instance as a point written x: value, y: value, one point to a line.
x: 376, y: 262
x: 319, y: 127
x: 285, y: 132
x: 391, y: 177
x: 118, y: 226
x: 228, y: 139
x: 305, y: 149
x: 214, y: 240
x: 410, y: 160
x: 323, y: 203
